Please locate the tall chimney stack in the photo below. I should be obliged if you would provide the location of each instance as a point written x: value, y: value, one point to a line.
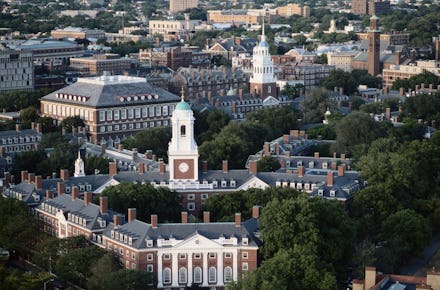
x: 238, y: 219
x: 206, y: 217
x: 154, y: 221
x: 131, y: 214
x: 103, y: 204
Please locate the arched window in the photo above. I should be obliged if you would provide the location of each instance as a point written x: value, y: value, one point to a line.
x: 212, y: 275
x: 228, y: 274
x: 182, y: 275
x: 182, y: 130
x: 166, y: 276
x: 197, y: 275
x: 269, y: 89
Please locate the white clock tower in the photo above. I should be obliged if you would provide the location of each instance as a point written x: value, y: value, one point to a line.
x: 183, y: 155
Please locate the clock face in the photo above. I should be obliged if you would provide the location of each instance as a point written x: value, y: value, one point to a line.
x: 183, y: 167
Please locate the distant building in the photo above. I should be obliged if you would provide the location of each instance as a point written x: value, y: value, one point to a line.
x: 112, y: 107
x: 182, y: 5
x: 173, y: 29
x: 236, y: 16
x: 374, y: 47
x: 232, y: 47
x: 98, y: 64
x: 404, y: 72
x: 174, y: 57
x: 370, y: 7
x: 293, y: 9
x: 341, y: 59
x: 78, y: 32
x: 51, y: 52
x: 16, y: 70
x: 302, y: 55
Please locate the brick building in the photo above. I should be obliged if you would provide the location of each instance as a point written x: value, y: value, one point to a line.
x: 16, y: 71
x: 78, y: 32
x: 98, y: 64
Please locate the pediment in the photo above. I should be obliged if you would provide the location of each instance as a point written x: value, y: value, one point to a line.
x: 198, y: 241
x: 253, y: 182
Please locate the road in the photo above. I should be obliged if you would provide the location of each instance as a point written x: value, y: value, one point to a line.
x: 415, y: 267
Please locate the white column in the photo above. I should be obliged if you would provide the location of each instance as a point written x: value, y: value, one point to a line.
x: 220, y: 268
x: 159, y: 270
x: 190, y: 269
x: 205, y: 269
x: 234, y: 265
x: 174, y: 270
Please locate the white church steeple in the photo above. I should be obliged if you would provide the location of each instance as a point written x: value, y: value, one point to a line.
x: 183, y: 154
x: 263, y: 80
x: 79, y: 166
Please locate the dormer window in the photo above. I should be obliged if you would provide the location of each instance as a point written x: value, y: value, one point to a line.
x: 311, y: 164
x: 149, y: 243
x: 224, y: 183
x: 125, y: 239
x: 332, y: 193
x: 130, y: 241
x: 112, y: 234
x: 214, y: 183
x: 245, y: 241
x: 232, y: 183
x: 84, y: 222
x: 88, y: 187
x: 299, y: 163
x: 324, y: 165
x: 320, y: 192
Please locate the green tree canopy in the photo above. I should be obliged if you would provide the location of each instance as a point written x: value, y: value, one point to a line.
x: 268, y: 164
x: 155, y: 139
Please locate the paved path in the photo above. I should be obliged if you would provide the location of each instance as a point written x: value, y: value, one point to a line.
x: 415, y: 266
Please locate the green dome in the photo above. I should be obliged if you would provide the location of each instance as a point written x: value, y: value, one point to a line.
x: 183, y: 106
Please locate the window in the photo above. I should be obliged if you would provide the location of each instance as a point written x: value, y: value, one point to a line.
x: 137, y: 113
x: 144, y: 112
x: 245, y: 266
x: 158, y: 111
x: 165, y: 110
x: 204, y: 196
x: 197, y: 275
x: 244, y: 255
x: 182, y: 256
x: 191, y: 206
x: 121, y: 251
x: 166, y: 256
x: 245, y: 241
x: 227, y: 274
x: 150, y: 268
x: 212, y: 255
x: 123, y: 114
x: 166, y: 275
x: 197, y: 256
x: 182, y: 130
x: 109, y: 115
x: 116, y: 114
x: 101, y: 116
x: 182, y: 275
x: 212, y: 275
x: 133, y: 256
x: 150, y: 257
x: 149, y: 243
x: 130, y: 113
x: 151, y: 112
x: 191, y: 196
x: 228, y: 255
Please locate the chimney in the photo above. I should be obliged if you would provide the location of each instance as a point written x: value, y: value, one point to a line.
x: 330, y: 178
x: 64, y: 174
x: 277, y: 149
x: 256, y: 211
x: 184, y: 217
x: 358, y: 284
x: 286, y: 138
x: 253, y: 167
x: 422, y: 86
x: 112, y: 169
x: 75, y: 192
x: 334, y: 154
x: 301, y: 171
x: 117, y: 220
x: 131, y: 214
x: 120, y: 147
x: 33, y: 125
x: 294, y: 133
x: 88, y: 197
x: 18, y: 127
x: 31, y: 177
x: 343, y: 156
x: 61, y: 189
x: 206, y: 218
x: 370, y: 277
x: 103, y: 204
x: 341, y: 91
x: 316, y: 155
x: 238, y: 219
x: 38, y: 182
x: 225, y: 166
x: 341, y: 170
x: 49, y: 194
x: 24, y: 175
x: 141, y: 168
x: 154, y: 221
x: 266, y: 149
x: 388, y: 113
x: 432, y: 279
x: 204, y: 166
x: 161, y: 166
x: 38, y: 127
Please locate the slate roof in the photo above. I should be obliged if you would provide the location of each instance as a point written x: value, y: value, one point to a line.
x: 141, y: 231
x: 102, y: 94
x: 21, y: 133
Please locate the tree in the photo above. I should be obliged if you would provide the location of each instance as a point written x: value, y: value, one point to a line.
x: 96, y: 163
x: 47, y: 124
x: 27, y: 116
x: 321, y: 59
x: 223, y: 147
x: 155, y: 139
x: 292, y: 91
x: 425, y: 77
x: 100, y: 271
x: 268, y: 164
x: 128, y: 279
x: 208, y: 124
x: 146, y: 199
x: 356, y: 129
x: 315, y: 105
x: 69, y: 122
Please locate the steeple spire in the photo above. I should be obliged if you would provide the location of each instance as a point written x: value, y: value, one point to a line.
x: 263, y: 36
x: 182, y: 98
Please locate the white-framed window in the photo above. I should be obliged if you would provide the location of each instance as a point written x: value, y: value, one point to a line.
x: 182, y: 275
x: 137, y: 112
x: 166, y: 256
x: 130, y: 113
x: 191, y: 206
x: 116, y: 114
x: 130, y: 126
x: 224, y: 183
x: 109, y: 128
x: 244, y: 255
x: 101, y: 116
x: 150, y: 257
x: 123, y: 114
x: 204, y: 196
x: 116, y: 127
x: 150, y: 112
x: 150, y: 268
x: 212, y: 275
x: 197, y: 256
x: 245, y: 241
x: 228, y: 255
x: 144, y: 112
x: 227, y: 274
x: 124, y: 127
x: 121, y: 251
x: 182, y: 256
x: 191, y: 196
x: 133, y: 256
x: 245, y: 266
x: 109, y: 115
x: 166, y: 276
x: 197, y: 275
x: 211, y: 255
x: 149, y: 243
x: 158, y: 111
x: 102, y: 128
x: 165, y: 110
